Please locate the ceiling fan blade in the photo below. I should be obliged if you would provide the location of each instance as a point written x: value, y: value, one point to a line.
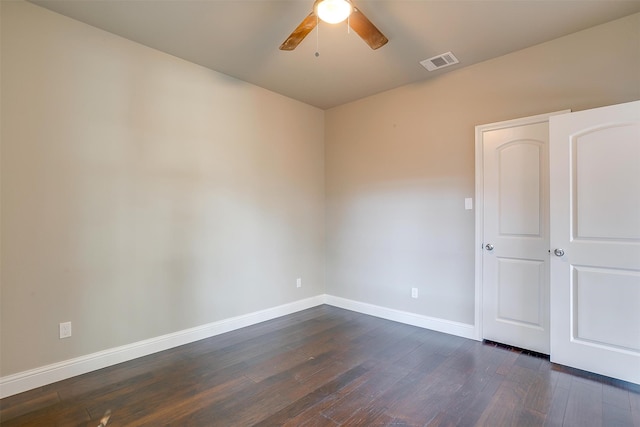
x: 366, y: 30
x: 305, y: 27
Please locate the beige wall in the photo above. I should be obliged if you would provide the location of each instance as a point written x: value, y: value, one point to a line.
x: 399, y: 164
x: 142, y: 194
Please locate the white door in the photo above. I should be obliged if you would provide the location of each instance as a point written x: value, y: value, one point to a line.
x: 515, y: 232
x: 595, y: 235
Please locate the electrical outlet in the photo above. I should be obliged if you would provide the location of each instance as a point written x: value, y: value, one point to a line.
x: 65, y: 330
x: 299, y: 282
x: 414, y: 292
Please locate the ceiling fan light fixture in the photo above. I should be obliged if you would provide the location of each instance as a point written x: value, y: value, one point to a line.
x: 339, y: 10
x: 333, y: 11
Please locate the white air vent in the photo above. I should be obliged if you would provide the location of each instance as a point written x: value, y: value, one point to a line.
x: 439, y: 61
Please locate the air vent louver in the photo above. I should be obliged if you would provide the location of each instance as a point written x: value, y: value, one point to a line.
x: 439, y: 61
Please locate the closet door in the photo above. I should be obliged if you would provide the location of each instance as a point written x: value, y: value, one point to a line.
x: 595, y: 240
x: 515, y: 232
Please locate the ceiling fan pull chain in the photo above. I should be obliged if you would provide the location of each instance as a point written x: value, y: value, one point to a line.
x: 317, y: 36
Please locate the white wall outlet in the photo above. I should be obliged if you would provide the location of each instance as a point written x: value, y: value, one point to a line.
x: 65, y: 330
x: 414, y: 292
x: 468, y: 203
x: 299, y: 282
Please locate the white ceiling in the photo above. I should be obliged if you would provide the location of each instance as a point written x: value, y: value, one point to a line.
x: 241, y: 37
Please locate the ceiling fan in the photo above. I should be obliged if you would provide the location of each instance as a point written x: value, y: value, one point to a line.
x: 332, y: 12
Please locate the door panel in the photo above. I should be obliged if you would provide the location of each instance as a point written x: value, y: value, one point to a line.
x: 595, y: 193
x: 515, y: 295
x: 595, y: 220
x: 520, y: 296
x: 597, y: 290
x: 519, y: 188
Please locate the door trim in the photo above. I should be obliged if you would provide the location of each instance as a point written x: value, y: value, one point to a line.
x: 479, y: 219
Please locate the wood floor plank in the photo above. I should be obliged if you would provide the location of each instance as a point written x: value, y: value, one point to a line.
x: 317, y: 369
x: 24, y: 403
x: 613, y: 415
x: 295, y: 408
x: 173, y: 410
x: 527, y: 417
x: 399, y: 391
x: 373, y: 417
x: 422, y: 359
x: 430, y: 396
x: 473, y: 413
x: 398, y: 348
x: 422, y: 394
x: 634, y: 399
x: 584, y: 406
x: 508, y: 403
x: 555, y: 415
x: 443, y: 419
x: 319, y: 407
x: 278, y: 362
x: 377, y: 382
x: 64, y: 414
x: 508, y: 363
x: 540, y: 395
x: 615, y: 396
x: 331, y: 370
x: 236, y: 411
x: 318, y: 421
x: 482, y: 382
x: 330, y: 367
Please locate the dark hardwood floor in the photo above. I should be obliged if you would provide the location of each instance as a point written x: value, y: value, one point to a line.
x: 331, y: 367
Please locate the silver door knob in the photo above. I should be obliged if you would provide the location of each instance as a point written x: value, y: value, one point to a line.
x: 558, y: 252
x: 489, y: 247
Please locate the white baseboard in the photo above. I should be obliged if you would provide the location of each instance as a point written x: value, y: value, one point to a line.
x: 441, y: 325
x: 38, y: 377
x: 28, y: 380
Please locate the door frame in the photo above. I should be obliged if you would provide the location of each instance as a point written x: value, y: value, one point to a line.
x: 479, y: 214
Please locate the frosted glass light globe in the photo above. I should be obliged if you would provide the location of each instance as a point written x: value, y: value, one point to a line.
x: 333, y: 11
